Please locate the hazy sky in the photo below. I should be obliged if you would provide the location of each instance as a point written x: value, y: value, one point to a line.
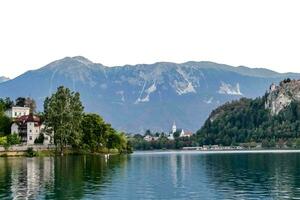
x: 255, y: 33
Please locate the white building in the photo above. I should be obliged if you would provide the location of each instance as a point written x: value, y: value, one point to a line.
x: 174, y: 129
x: 15, y: 112
x: 181, y: 132
x: 29, y: 127
x: 150, y: 138
x: 186, y: 134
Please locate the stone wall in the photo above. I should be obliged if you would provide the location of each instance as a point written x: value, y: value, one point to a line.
x: 23, y: 148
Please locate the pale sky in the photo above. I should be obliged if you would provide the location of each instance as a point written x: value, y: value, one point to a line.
x: 254, y: 33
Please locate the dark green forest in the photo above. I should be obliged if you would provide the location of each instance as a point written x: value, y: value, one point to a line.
x: 247, y: 120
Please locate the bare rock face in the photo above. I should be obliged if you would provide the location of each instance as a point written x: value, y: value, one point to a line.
x: 279, y: 97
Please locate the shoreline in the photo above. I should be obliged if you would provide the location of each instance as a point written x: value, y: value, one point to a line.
x: 53, y: 153
x: 217, y: 151
x: 42, y: 151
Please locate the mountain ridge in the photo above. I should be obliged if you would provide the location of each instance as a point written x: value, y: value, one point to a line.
x: 144, y: 96
x: 3, y: 79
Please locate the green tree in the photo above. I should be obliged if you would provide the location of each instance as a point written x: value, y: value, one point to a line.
x: 29, y: 102
x: 5, y: 121
x: 298, y: 143
x: 21, y: 101
x: 63, y: 115
x: 148, y: 132
x: 94, y: 131
x: 5, y: 124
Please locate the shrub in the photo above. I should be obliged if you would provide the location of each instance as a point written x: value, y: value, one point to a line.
x: 40, y: 139
x: 3, y: 141
x: 13, y: 139
x: 30, y: 152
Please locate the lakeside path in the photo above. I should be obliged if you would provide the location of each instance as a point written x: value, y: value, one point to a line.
x: 157, y: 152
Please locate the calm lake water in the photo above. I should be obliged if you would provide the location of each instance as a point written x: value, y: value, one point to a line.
x: 168, y: 175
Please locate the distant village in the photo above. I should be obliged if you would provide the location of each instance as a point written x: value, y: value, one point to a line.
x: 171, y: 136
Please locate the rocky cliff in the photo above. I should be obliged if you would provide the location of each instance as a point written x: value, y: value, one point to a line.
x: 280, y: 96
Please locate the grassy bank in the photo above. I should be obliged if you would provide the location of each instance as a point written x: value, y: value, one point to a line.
x: 30, y: 152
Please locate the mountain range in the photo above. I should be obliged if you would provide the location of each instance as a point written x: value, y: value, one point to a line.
x: 134, y: 98
x: 3, y: 79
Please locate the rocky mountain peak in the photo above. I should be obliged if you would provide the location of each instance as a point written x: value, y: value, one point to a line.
x: 71, y: 63
x: 280, y: 96
x: 82, y: 59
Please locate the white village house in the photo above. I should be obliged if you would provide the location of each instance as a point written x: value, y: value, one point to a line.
x: 16, y: 111
x: 26, y: 125
x: 150, y: 138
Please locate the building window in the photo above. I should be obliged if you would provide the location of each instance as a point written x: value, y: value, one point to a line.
x: 30, y: 137
x: 16, y: 113
x: 30, y: 131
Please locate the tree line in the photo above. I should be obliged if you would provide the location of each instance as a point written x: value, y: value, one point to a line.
x: 68, y: 125
x: 161, y: 142
x: 65, y: 118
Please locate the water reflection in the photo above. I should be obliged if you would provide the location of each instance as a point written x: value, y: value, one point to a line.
x: 152, y: 176
x: 69, y: 177
x: 263, y: 176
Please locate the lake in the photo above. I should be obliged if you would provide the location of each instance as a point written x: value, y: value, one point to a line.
x: 153, y: 175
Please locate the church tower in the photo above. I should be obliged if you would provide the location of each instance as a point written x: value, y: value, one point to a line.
x: 174, y: 128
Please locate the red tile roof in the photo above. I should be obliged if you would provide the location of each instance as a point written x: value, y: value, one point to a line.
x: 28, y: 118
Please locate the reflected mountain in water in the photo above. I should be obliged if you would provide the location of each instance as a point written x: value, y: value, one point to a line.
x: 168, y: 175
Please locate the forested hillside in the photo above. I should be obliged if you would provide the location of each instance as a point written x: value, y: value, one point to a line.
x: 247, y: 120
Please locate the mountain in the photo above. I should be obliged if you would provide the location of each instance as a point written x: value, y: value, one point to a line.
x: 281, y: 96
x: 273, y: 118
x: 145, y: 96
x: 3, y: 79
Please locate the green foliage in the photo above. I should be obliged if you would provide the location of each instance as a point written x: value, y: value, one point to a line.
x: 5, y: 121
x: 5, y: 104
x: 63, y: 115
x: 5, y: 124
x: 176, y: 134
x: 298, y: 142
x: 94, y: 132
x: 113, y: 140
x: 13, y: 139
x: 247, y: 120
x: 40, y: 139
x: 30, y: 152
x: 20, y: 101
x: 138, y: 143
x: 3, y: 141
x: 26, y: 102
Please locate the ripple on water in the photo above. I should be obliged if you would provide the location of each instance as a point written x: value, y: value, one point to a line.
x: 163, y: 175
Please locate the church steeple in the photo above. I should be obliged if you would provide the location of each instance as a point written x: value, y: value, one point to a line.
x: 174, y: 128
